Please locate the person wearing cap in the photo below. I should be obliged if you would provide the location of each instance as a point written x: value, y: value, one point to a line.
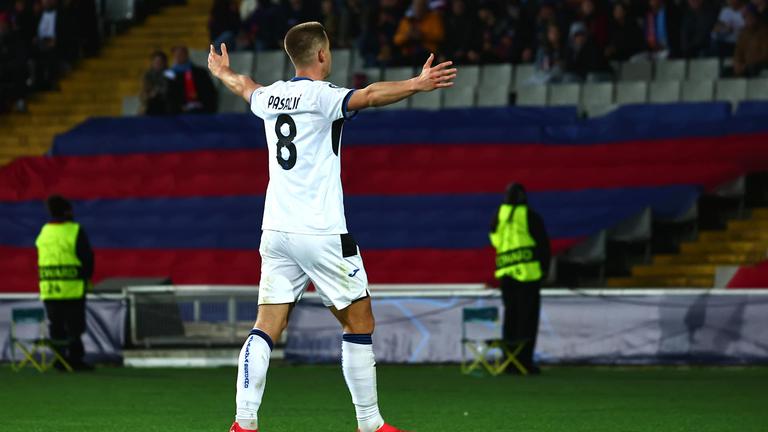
x: 582, y: 56
x: 65, y: 267
x: 522, y: 259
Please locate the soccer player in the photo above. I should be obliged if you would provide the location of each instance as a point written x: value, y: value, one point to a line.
x: 305, y: 235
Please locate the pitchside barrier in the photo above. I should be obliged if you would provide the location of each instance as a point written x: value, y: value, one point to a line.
x: 422, y: 323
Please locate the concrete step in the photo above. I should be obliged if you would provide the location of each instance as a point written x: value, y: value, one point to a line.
x: 724, y: 247
x: 661, y: 282
x: 735, y: 235
x: 35, y: 130
x: 18, y: 140
x: 82, y: 108
x: 119, y: 88
x: 748, y: 224
x: 760, y: 213
x: 68, y: 121
x: 122, y: 69
x: 95, y: 97
x: 178, y: 17
x: 672, y: 270
x: 150, y: 44
x: 710, y: 258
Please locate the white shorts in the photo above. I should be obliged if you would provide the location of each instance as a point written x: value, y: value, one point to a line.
x: 331, y: 262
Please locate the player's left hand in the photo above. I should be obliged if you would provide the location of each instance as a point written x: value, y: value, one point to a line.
x: 216, y: 62
x: 439, y: 76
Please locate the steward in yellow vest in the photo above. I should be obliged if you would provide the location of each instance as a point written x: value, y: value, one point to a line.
x: 65, y: 267
x: 522, y: 259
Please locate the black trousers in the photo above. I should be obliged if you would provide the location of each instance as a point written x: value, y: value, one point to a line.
x: 522, y: 305
x: 66, y: 322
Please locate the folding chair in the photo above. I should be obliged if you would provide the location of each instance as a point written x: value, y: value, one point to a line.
x: 480, y: 348
x: 28, y: 335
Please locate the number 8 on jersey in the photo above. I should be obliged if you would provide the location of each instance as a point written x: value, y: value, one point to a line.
x: 286, y: 141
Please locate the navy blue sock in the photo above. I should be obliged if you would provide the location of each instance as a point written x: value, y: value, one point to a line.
x: 358, y: 338
x: 264, y: 336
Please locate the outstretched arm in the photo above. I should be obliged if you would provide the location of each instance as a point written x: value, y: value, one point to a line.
x: 241, y: 85
x: 387, y: 93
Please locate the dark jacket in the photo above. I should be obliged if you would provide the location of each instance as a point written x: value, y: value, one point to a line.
x: 695, y: 31
x: 85, y: 254
x: 585, y: 60
x: 624, y: 40
x: 206, y: 92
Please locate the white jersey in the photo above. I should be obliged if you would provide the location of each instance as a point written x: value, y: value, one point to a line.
x: 303, y: 121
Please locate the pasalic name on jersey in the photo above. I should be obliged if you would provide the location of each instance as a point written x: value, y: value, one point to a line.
x: 278, y: 103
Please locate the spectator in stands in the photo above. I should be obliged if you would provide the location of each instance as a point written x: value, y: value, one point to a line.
x: 298, y: 11
x: 461, y: 42
x: 332, y: 22
x: 48, y: 40
x: 190, y: 89
x: 224, y: 22
x: 353, y: 18
x: 762, y: 9
x: 247, y: 8
x: 65, y: 265
x: 13, y: 67
x: 727, y: 29
x: 596, y: 22
x: 500, y: 41
x: 263, y: 29
x: 698, y: 21
x: 583, y: 57
x: 751, y: 56
x: 154, y: 89
x: 83, y: 25
x: 23, y: 22
x: 419, y: 33
x: 625, y: 39
x: 377, y: 44
x: 550, y: 58
x: 661, y: 28
x: 522, y: 261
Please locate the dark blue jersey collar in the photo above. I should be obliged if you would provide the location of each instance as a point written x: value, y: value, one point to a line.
x: 301, y: 79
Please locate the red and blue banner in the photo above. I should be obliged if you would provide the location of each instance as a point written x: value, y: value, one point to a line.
x: 183, y: 196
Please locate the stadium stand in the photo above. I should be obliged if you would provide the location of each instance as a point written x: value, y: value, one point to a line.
x: 178, y: 197
x: 97, y: 85
x: 744, y: 242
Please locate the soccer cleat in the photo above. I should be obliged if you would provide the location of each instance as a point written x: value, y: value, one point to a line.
x: 236, y: 428
x: 387, y: 428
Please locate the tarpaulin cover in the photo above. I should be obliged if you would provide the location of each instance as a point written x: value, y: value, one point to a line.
x: 513, y: 125
x: 377, y: 222
x: 755, y: 276
x: 183, y: 196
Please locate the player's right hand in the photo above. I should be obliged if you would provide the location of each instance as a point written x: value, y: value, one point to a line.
x: 216, y: 62
x: 439, y: 76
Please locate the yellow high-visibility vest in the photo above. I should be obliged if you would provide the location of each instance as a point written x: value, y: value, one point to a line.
x: 60, y: 270
x: 515, y: 248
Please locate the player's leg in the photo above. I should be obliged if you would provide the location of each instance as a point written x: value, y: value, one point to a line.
x: 253, y: 363
x: 282, y: 283
x: 358, y: 362
x: 336, y: 268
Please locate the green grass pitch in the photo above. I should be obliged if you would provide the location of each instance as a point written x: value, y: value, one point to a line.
x: 419, y: 398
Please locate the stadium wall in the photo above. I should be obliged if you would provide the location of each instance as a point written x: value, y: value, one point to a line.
x: 585, y: 326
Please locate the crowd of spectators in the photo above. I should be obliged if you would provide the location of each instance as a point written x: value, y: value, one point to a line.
x: 182, y: 88
x: 565, y: 39
x: 40, y: 39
